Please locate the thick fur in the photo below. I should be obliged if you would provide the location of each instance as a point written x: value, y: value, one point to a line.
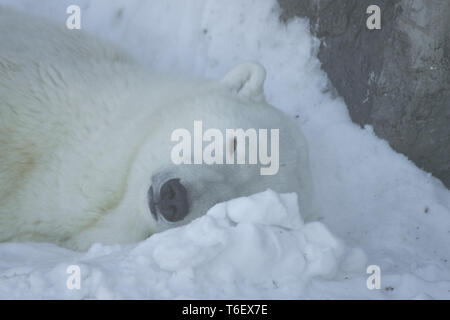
x: 84, y: 129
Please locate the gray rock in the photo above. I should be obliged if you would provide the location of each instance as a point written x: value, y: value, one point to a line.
x: 398, y: 78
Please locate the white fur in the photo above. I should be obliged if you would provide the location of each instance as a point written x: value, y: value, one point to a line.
x: 83, y: 129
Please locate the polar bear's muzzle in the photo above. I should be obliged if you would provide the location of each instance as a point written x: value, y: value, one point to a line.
x: 172, y: 204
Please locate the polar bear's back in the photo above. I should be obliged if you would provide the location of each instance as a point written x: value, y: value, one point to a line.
x: 46, y: 72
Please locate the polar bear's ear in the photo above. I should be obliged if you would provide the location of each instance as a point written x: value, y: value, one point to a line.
x: 247, y: 80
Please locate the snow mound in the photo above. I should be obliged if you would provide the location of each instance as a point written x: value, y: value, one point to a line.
x: 247, y: 247
x: 259, y: 239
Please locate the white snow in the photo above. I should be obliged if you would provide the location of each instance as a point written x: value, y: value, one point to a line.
x: 376, y: 207
x: 226, y: 253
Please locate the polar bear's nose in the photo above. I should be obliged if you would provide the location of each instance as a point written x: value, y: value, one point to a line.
x: 173, y: 201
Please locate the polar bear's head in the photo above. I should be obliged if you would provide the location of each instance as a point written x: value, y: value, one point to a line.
x: 171, y: 192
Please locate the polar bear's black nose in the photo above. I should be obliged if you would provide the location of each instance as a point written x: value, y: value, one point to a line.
x: 173, y: 201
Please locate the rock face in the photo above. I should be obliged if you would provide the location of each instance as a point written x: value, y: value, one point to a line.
x: 398, y: 78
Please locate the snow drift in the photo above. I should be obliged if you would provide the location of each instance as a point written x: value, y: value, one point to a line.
x: 255, y: 246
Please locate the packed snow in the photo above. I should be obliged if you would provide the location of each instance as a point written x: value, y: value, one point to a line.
x: 269, y: 253
x: 375, y: 206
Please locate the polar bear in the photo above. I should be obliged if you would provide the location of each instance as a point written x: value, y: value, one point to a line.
x: 85, y: 140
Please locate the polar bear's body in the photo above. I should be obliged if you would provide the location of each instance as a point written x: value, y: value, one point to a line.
x: 84, y: 131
